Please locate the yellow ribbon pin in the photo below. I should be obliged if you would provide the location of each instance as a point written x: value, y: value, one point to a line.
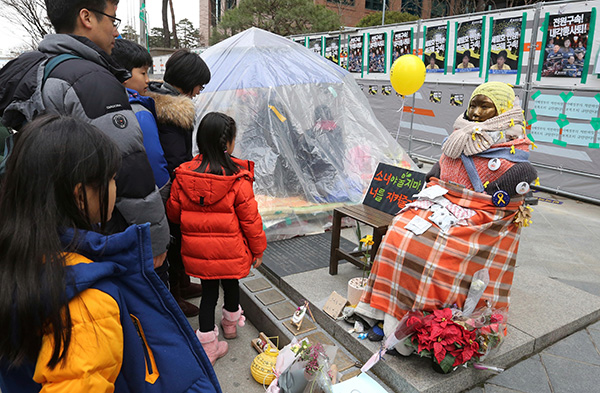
x: 512, y: 150
x: 501, y: 199
x: 279, y: 115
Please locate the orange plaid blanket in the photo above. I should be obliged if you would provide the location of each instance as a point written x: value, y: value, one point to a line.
x: 434, y: 270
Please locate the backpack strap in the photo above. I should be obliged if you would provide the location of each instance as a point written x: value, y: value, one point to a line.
x: 55, y: 61
x: 8, y: 147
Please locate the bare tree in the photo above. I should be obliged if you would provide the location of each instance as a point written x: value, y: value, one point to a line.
x: 175, y: 39
x: 165, y: 20
x: 515, y: 3
x: 343, y: 5
x: 29, y: 14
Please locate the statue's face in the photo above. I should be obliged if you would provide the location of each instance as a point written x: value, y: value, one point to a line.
x: 481, y: 108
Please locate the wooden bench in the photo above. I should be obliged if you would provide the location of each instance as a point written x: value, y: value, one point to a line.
x: 367, y: 215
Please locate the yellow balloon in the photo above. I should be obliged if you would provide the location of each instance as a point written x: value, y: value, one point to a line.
x: 407, y: 74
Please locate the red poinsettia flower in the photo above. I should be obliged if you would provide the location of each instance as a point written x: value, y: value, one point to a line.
x: 467, y: 352
x: 440, y: 335
x: 442, y: 317
x: 445, y: 340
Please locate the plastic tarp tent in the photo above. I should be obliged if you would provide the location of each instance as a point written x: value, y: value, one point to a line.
x: 305, y: 123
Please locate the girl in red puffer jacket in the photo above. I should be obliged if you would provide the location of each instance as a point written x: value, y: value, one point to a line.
x: 222, y: 232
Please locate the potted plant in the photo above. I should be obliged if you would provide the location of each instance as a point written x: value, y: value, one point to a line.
x: 357, y: 284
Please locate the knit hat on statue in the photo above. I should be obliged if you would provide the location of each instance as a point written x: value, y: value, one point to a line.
x: 501, y: 94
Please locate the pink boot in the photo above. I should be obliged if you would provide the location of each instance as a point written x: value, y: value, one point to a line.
x: 214, y: 348
x: 230, y: 320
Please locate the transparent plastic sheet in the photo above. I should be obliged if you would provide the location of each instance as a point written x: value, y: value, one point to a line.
x: 305, y: 123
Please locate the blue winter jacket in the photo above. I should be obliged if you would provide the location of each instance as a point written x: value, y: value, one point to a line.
x: 160, y: 351
x: 146, y: 115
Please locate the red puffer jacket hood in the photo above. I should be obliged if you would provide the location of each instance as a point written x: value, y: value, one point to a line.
x: 222, y: 231
x: 207, y: 189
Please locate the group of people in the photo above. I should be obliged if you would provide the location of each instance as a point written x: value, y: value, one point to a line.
x: 99, y: 191
x: 564, y: 60
x: 377, y: 60
x: 100, y: 194
x: 355, y: 60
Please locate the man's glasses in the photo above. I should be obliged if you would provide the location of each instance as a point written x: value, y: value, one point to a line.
x: 115, y: 21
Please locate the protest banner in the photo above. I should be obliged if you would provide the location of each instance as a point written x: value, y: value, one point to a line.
x: 402, y: 44
x: 435, y: 48
x: 468, y: 46
x: 566, y: 42
x: 377, y: 53
x: 315, y: 45
x: 332, y: 49
x: 506, y: 43
x: 355, y: 55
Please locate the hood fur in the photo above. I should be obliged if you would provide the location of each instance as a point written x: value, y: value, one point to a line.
x: 175, y: 110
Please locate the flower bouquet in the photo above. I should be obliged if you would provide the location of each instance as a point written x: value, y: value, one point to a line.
x: 450, y: 336
x: 311, y: 368
x: 451, y: 339
x: 317, y: 367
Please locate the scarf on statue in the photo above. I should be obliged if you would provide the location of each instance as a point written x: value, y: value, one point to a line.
x: 471, y: 137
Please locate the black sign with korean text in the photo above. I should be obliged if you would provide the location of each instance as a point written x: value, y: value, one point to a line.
x: 393, y: 187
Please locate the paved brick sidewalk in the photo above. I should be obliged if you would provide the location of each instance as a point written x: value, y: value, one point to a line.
x: 572, y: 365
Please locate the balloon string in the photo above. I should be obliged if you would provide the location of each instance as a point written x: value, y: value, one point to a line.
x: 401, y: 110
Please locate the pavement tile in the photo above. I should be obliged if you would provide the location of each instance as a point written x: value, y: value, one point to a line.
x: 475, y: 390
x: 595, y: 326
x: 594, y: 228
x: 569, y: 376
x: 349, y: 375
x: 527, y: 376
x: 595, y: 336
x: 578, y: 346
x: 490, y: 388
x: 534, y: 296
x: 283, y: 310
x: 306, y: 326
x: 270, y: 297
x: 257, y: 284
x: 343, y: 361
x: 589, y: 287
x: 319, y: 337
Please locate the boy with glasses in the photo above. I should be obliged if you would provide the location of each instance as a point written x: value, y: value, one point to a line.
x: 87, y: 85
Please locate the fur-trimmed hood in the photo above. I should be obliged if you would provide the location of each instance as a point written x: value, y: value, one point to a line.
x: 176, y: 110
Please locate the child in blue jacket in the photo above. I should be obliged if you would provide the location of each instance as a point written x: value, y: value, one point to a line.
x: 83, y: 311
x: 136, y: 59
